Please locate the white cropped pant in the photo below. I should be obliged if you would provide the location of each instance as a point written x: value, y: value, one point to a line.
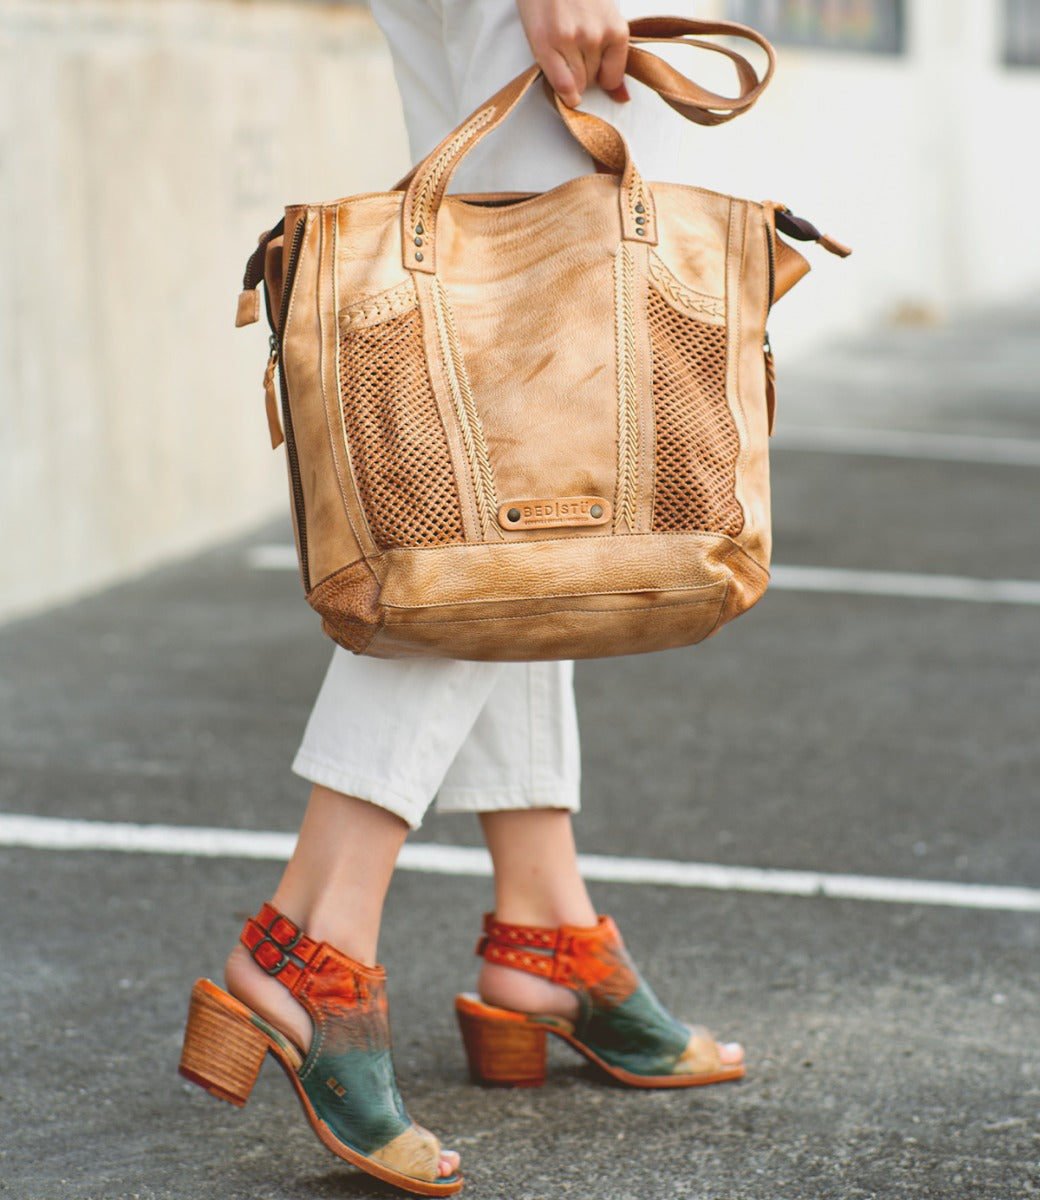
x: 479, y: 737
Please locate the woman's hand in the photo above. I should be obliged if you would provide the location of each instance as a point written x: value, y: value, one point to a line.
x: 578, y: 43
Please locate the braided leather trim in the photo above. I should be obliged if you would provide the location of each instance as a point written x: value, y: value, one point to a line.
x: 426, y: 194
x: 466, y: 411
x: 684, y: 298
x: 628, y: 411
x: 376, y: 309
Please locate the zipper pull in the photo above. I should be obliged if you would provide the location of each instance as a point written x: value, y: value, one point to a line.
x: 274, y: 424
x: 767, y: 350
x: 805, y: 231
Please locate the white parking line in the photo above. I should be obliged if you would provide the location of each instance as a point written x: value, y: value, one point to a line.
x: 835, y: 580
x: 272, y: 557
x: 50, y: 833
x: 905, y: 584
x: 890, y: 443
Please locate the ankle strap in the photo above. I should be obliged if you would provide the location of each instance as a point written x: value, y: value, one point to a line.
x: 278, y: 945
x: 558, y: 955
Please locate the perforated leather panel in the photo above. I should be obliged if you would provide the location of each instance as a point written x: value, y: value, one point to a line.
x: 398, y: 447
x: 696, y: 438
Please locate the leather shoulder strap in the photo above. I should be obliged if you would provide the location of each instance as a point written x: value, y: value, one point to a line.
x: 695, y: 103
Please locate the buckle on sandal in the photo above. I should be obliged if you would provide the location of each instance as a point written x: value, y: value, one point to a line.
x: 283, y: 952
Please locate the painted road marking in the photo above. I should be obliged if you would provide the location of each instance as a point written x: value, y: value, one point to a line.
x: 905, y: 584
x: 890, y: 443
x: 835, y: 580
x: 272, y: 557
x: 50, y: 833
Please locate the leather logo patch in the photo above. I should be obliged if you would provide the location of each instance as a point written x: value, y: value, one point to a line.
x: 555, y: 512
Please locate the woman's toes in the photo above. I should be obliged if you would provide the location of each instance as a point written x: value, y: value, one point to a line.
x: 731, y: 1054
x: 449, y: 1163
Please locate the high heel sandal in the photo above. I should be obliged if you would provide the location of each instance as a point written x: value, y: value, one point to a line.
x: 346, y: 1081
x: 622, y: 1026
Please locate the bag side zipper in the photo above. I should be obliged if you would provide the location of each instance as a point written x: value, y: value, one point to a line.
x: 277, y: 359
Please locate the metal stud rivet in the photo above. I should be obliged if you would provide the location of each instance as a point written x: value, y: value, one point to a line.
x: 419, y: 229
x: 641, y: 231
x: 596, y: 511
x: 418, y: 241
x: 640, y: 208
x: 514, y: 514
x: 418, y: 253
x: 640, y: 220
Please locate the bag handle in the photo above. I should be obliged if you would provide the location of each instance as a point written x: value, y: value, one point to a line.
x: 427, y: 184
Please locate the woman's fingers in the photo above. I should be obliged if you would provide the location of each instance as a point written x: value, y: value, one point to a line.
x: 577, y: 43
x: 611, y: 77
x: 567, y: 77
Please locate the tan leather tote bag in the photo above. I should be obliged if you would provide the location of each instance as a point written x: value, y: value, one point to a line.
x: 532, y: 426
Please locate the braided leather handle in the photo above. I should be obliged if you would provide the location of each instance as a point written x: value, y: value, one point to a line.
x: 428, y: 183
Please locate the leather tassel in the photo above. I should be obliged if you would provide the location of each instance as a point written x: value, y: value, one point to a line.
x: 248, y: 308
x: 274, y: 423
x: 828, y: 243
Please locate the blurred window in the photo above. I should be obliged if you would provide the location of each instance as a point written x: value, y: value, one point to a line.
x: 1022, y: 33
x: 875, y: 26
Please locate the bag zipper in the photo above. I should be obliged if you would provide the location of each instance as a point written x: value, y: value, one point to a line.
x: 767, y: 349
x: 295, y: 480
x: 771, y: 249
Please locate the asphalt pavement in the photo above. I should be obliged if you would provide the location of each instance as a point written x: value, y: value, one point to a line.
x: 868, y: 730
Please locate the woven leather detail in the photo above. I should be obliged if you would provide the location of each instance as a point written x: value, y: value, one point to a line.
x: 376, y: 309
x: 627, y: 390
x: 398, y: 447
x: 432, y: 179
x: 683, y: 298
x: 349, y: 603
x: 696, y: 437
x: 465, y: 410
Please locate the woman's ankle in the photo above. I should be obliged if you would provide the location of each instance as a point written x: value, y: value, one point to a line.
x: 505, y: 987
x: 268, y: 998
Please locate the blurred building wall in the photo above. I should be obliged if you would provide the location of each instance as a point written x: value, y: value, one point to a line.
x: 925, y: 162
x: 145, y: 143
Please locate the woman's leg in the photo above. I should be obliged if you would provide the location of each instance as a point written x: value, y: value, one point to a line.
x: 389, y: 731
x: 537, y: 882
x: 333, y: 888
x: 519, y: 770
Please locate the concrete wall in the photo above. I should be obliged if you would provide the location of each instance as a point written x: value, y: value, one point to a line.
x: 143, y: 146
x: 145, y: 143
